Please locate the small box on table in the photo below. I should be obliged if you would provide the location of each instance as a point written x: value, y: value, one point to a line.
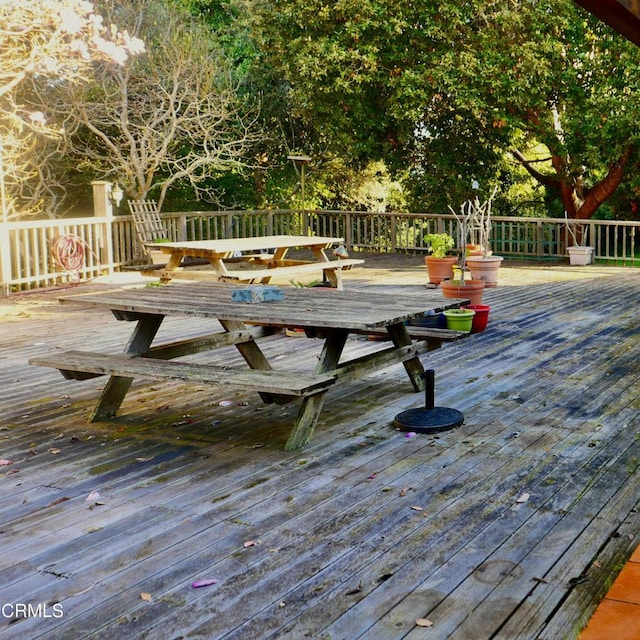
x: 257, y: 293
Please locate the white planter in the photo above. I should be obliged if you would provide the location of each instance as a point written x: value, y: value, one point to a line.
x: 580, y: 256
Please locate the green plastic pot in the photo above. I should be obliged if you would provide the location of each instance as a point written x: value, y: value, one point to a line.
x: 459, y: 319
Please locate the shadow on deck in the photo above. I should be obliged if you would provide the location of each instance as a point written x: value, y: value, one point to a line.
x: 511, y: 526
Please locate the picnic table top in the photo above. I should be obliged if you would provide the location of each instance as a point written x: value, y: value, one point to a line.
x: 249, y: 244
x: 304, y: 307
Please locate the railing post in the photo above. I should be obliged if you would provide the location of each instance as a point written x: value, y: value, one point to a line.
x: 229, y: 226
x: 393, y: 232
x: 540, y: 239
x: 103, y: 208
x: 270, y: 223
x: 183, y: 227
x: 348, y: 239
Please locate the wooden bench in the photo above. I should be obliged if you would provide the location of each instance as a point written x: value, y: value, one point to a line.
x: 329, y: 269
x: 423, y: 333
x: 80, y: 365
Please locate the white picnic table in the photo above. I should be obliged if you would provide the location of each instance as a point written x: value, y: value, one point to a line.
x: 251, y: 260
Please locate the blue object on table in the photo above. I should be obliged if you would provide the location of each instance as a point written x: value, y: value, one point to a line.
x: 257, y: 293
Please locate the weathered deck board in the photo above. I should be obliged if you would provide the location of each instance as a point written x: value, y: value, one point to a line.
x: 340, y: 551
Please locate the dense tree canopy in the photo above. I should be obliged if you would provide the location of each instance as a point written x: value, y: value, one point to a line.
x: 432, y: 96
x: 448, y: 89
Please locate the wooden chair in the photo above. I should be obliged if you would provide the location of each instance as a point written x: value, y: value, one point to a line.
x: 149, y: 227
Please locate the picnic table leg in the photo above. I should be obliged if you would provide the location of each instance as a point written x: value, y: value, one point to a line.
x: 334, y: 276
x: 311, y: 406
x: 306, y: 421
x: 116, y: 388
x: 415, y: 370
x: 254, y: 357
x: 172, y: 265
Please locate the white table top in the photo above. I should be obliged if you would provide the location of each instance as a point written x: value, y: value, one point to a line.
x: 227, y: 245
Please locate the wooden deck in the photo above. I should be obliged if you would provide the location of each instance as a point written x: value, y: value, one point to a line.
x: 511, y: 526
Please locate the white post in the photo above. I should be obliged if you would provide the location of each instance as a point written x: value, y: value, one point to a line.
x: 103, y: 208
x: 5, y: 258
x: 5, y: 246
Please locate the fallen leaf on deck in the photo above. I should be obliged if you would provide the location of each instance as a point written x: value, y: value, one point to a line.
x: 145, y: 459
x: 53, y: 450
x: 417, y: 508
x: 146, y: 597
x: 93, y: 496
x: 423, y: 622
x: 403, y: 491
x: 410, y: 434
x: 93, y: 529
x: 204, y: 583
x: 225, y: 403
x: 250, y: 543
x: 523, y: 498
x: 3, y: 462
x: 373, y: 476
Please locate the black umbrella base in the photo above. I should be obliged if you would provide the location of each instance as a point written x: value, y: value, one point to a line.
x: 428, y: 420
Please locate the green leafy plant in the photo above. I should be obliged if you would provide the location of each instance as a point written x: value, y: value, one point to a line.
x: 439, y: 244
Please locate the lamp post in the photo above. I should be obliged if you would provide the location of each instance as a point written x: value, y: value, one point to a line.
x: 303, y: 161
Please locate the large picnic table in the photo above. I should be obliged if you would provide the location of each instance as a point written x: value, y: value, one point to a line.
x: 329, y: 314
x: 266, y: 257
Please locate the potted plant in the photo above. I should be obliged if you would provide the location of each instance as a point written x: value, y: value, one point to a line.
x: 457, y: 286
x: 482, y: 264
x: 460, y: 288
x: 439, y: 264
x: 579, y: 253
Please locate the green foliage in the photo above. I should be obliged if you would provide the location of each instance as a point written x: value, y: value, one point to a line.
x: 404, y: 105
x: 439, y: 244
x: 439, y: 91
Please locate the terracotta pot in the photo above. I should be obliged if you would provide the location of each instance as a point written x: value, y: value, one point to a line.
x: 440, y: 268
x: 473, y: 249
x: 472, y: 290
x: 485, y: 268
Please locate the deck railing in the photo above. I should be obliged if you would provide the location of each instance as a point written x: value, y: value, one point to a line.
x: 31, y: 252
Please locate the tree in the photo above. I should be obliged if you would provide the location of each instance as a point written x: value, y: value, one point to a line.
x: 168, y: 118
x: 43, y: 42
x: 448, y: 90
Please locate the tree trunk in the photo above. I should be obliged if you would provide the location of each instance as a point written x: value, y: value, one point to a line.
x: 604, y: 189
x: 579, y: 204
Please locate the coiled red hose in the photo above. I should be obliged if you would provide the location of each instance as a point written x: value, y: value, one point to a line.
x: 70, y: 252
